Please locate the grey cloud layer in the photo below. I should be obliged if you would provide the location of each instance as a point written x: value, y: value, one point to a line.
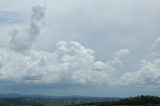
x: 71, y: 63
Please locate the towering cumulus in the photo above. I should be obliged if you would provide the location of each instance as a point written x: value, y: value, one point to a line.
x: 22, y: 39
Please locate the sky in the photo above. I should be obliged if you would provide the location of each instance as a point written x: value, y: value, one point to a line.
x: 80, y: 47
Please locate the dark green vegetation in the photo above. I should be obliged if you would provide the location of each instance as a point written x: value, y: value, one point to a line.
x: 131, y: 101
x: 78, y: 101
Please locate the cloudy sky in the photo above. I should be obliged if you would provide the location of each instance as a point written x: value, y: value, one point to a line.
x: 80, y: 47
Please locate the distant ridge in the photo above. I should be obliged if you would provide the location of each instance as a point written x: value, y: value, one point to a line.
x: 72, y: 98
x: 18, y: 98
x: 14, y: 95
x: 10, y: 95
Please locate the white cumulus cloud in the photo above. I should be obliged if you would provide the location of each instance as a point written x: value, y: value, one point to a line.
x: 149, y: 72
x: 71, y: 63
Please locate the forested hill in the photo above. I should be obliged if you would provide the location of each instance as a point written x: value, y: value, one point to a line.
x: 141, y: 100
x: 134, y: 101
